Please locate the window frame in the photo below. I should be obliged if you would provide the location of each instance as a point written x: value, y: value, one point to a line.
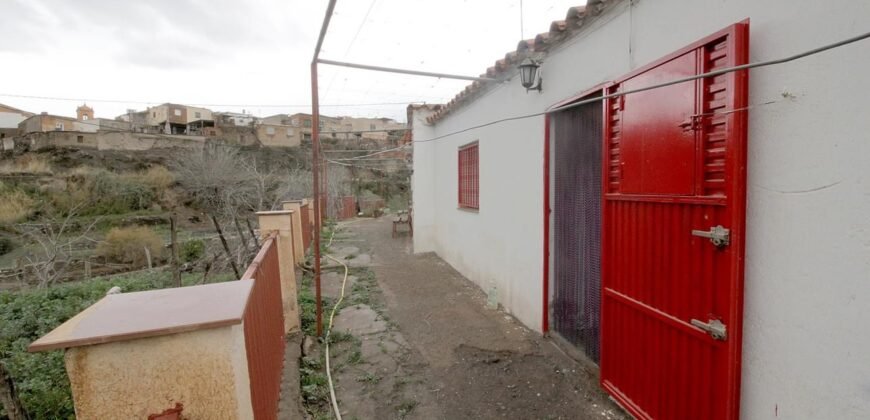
x: 468, y: 183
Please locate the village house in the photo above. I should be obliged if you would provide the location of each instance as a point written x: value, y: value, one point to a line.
x: 223, y: 119
x: 84, y: 122
x: 276, y: 135
x: 9, y: 119
x: 702, y: 242
x: 329, y: 126
x: 179, y: 119
x: 377, y: 129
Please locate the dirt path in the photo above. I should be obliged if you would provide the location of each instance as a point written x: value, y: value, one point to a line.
x: 449, y: 356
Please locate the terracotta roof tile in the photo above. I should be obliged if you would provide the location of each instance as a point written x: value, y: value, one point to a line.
x: 560, y: 30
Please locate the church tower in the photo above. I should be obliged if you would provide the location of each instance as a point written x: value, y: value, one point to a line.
x: 84, y: 113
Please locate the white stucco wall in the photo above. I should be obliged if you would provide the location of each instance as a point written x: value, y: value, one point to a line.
x: 806, y: 354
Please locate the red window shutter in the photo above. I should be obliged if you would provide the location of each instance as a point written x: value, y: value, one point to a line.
x: 469, y: 184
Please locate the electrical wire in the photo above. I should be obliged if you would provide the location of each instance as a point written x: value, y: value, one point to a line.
x: 660, y: 85
x: 118, y: 101
x: 352, y: 41
x: 375, y: 153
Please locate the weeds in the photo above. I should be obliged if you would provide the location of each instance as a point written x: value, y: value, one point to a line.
x: 27, y: 164
x: 129, y: 245
x: 406, y: 407
x: 369, y: 378
x: 15, y: 206
x: 355, y: 357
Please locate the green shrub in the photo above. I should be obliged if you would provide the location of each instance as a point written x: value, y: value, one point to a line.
x: 127, y: 245
x: 40, y: 378
x: 100, y: 192
x: 192, y: 250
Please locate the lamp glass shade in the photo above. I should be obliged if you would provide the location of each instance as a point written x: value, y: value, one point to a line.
x: 528, y: 72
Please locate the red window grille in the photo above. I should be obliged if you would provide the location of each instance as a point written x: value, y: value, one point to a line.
x: 469, y: 181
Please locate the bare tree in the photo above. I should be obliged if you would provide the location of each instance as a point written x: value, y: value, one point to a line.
x: 56, y: 242
x: 338, y: 186
x: 214, y: 177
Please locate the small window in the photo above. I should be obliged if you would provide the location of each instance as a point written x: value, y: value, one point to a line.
x: 197, y: 115
x: 154, y: 115
x: 270, y: 131
x: 80, y: 139
x: 84, y: 117
x: 469, y: 180
x: 372, y: 127
x: 177, y: 112
x: 58, y: 126
x: 289, y: 132
x: 306, y: 123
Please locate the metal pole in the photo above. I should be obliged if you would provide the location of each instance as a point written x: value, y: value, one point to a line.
x: 315, y: 162
x: 315, y: 170
x: 404, y: 71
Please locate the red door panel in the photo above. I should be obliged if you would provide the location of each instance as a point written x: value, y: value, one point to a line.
x: 674, y: 168
x: 657, y: 155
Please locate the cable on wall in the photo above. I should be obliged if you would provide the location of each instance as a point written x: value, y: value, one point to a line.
x: 748, y: 66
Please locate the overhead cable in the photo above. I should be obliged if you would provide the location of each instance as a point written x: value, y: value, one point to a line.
x: 661, y: 85
x: 117, y: 101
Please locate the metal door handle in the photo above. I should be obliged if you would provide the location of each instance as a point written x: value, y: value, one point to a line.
x: 714, y: 327
x: 718, y: 235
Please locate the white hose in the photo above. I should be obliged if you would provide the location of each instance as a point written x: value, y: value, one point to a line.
x: 329, y: 330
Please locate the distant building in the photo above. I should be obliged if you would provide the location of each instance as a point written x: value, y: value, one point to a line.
x: 370, y: 128
x: 353, y: 129
x: 85, y: 122
x: 171, y: 118
x: 138, y: 121
x: 223, y: 119
x: 9, y: 119
x: 276, y: 135
x: 46, y: 122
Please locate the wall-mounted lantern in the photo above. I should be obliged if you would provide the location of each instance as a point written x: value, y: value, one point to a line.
x: 530, y: 74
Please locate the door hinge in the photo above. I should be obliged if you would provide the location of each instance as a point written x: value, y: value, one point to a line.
x: 718, y: 235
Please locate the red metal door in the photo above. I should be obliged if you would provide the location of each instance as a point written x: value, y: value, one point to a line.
x: 674, y: 170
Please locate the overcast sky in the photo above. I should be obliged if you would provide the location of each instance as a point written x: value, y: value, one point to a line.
x: 233, y: 55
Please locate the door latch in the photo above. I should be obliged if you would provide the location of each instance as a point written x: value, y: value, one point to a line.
x: 718, y: 235
x: 715, y: 328
x: 691, y: 123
